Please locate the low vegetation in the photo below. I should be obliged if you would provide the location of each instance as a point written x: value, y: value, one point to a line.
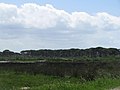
x: 18, y: 81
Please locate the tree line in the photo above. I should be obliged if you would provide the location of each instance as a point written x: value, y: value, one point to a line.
x: 65, y: 53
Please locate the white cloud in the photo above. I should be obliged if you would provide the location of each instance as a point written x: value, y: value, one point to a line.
x: 47, y: 27
x: 43, y: 17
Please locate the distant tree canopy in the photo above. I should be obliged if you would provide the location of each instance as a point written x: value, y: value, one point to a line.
x: 91, y: 52
x: 8, y: 53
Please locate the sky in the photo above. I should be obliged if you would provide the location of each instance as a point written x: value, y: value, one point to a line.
x: 59, y: 24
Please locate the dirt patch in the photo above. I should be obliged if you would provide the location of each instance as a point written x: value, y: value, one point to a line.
x: 118, y: 88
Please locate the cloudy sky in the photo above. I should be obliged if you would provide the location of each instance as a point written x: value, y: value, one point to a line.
x: 55, y: 24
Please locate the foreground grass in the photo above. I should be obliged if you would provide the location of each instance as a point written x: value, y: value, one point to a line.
x: 16, y: 81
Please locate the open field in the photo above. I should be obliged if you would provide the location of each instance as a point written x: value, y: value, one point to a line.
x: 21, y: 81
x: 84, y: 75
x: 85, y: 69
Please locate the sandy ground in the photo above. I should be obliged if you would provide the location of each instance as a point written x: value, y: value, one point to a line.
x: 118, y: 88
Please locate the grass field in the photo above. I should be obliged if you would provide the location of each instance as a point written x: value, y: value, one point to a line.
x: 23, y: 81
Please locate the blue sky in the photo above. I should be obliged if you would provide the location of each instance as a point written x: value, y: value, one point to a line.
x: 90, y: 6
x: 56, y: 24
